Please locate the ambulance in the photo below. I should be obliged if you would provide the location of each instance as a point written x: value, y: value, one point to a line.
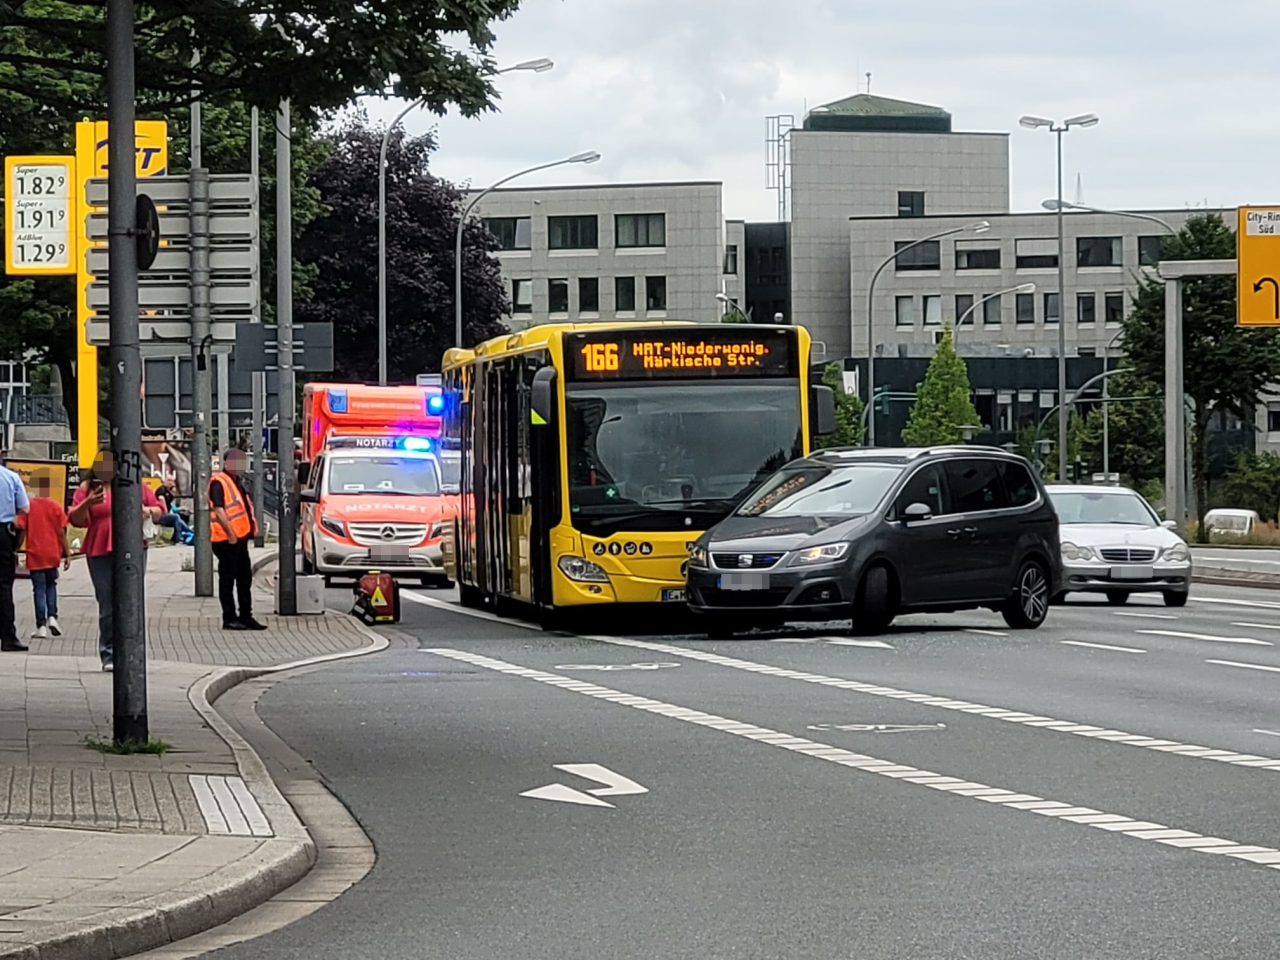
x: 372, y: 490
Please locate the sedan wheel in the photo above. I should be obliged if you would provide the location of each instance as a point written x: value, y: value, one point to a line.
x: 1029, y: 605
x: 1117, y: 597
x: 1175, y: 598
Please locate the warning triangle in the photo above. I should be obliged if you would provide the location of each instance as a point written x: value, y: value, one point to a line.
x: 378, y: 600
x: 558, y: 791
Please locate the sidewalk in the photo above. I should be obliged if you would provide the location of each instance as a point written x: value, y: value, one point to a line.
x: 102, y: 856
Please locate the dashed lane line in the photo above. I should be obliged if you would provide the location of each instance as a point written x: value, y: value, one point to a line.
x: 1145, y: 616
x: 1258, y: 626
x: 1057, y: 809
x: 1209, y: 637
x: 1102, y: 646
x: 986, y: 633
x: 964, y: 706
x: 1246, y: 666
x: 1232, y: 602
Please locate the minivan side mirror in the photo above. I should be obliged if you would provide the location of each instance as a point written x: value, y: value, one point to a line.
x: 304, y: 474
x: 917, y: 512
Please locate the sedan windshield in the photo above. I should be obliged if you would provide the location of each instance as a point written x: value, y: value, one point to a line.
x: 1128, y: 508
x: 409, y: 476
x: 817, y: 491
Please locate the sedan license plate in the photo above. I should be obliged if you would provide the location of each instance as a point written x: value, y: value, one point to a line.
x: 743, y: 581
x: 385, y: 554
x: 1132, y: 573
x: 673, y: 596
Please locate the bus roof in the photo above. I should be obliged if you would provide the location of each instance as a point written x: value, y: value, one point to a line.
x: 541, y: 334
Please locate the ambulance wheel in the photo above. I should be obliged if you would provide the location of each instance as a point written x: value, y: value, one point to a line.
x: 438, y: 582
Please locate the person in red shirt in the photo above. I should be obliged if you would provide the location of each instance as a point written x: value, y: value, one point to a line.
x: 45, y: 526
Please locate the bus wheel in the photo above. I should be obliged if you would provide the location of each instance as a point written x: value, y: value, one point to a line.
x: 470, y: 596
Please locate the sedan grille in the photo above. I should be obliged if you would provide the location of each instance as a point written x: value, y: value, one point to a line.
x: 1128, y: 554
x: 382, y: 534
x: 754, y: 561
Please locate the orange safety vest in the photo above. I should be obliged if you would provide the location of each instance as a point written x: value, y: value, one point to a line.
x: 239, y: 511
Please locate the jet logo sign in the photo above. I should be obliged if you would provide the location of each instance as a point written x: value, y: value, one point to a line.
x: 150, y: 158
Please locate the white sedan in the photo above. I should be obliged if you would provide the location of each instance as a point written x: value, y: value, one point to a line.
x: 1114, y: 544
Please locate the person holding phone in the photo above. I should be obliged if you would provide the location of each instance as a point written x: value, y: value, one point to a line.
x: 91, y: 509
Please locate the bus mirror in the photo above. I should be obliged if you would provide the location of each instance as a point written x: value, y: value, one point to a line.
x: 822, y: 410
x: 304, y: 474
x: 543, y: 399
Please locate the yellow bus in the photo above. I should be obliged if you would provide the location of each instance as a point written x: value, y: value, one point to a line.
x: 593, y: 455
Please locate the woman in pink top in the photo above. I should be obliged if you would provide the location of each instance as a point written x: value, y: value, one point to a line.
x: 91, y: 509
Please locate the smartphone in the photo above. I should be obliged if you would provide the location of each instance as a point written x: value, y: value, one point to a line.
x: 95, y: 484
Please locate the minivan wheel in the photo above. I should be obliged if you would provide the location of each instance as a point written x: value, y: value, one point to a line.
x: 1029, y: 604
x: 1117, y: 598
x: 873, y: 609
x: 1175, y: 598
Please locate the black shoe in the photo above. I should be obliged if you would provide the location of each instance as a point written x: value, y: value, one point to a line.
x: 14, y: 647
x: 233, y: 625
x: 252, y: 624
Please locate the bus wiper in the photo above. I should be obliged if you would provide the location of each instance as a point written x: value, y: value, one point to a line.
x: 691, y: 504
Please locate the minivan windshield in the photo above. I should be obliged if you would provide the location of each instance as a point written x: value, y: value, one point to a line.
x: 822, y: 491
x: 1127, y: 508
x: 408, y: 476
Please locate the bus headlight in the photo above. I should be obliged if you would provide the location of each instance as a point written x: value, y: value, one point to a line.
x: 582, y: 570
x: 335, y: 527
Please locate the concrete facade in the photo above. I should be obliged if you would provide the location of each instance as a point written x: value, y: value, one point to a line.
x: 675, y: 275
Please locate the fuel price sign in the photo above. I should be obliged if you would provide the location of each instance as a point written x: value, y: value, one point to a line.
x: 37, y: 215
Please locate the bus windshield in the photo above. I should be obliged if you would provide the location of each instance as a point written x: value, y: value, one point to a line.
x: 406, y: 476
x: 650, y: 457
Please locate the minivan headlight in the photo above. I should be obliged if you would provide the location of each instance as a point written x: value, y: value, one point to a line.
x: 698, y: 556
x: 582, y: 570
x: 1071, y: 551
x: 334, y: 526
x: 827, y: 553
x: 1178, y: 553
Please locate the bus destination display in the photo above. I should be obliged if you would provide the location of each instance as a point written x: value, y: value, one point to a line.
x: 680, y: 355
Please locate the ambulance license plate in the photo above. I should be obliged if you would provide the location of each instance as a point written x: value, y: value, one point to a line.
x: 385, y: 554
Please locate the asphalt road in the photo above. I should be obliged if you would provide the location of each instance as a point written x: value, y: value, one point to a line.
x: 961, y: 790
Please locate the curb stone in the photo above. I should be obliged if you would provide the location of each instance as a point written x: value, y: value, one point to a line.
x: 229, y: 892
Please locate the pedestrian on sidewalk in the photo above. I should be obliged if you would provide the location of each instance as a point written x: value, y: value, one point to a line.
x: 91, y: 509
x: 234, y: 523
x: 171, y: 518
x: 13, y: 503
x: 45, y: 529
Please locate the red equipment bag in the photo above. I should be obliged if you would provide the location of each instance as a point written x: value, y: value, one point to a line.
x: 377, y: 598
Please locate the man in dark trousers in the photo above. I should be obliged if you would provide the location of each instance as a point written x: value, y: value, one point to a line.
x: 13, y: 501
x: 232, y: 525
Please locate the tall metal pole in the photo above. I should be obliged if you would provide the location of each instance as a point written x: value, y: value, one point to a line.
x: 201, y: 467
x: 129, y: 683
x: 1175, y: 421
x: 1062, y: 326
x: 284, y: 353
x: 258, y: 380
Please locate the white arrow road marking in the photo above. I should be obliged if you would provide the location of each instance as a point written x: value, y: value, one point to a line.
x: 846, y: 642
x: 615, y: 784
x: 1206, y: 636
x: 558, y: 791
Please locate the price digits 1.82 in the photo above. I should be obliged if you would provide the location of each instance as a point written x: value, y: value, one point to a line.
x: 41, y: 252
x: 41, y: 185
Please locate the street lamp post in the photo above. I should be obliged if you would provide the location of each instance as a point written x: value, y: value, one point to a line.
x: 541, y: 65
x: 1020, y: 288
x: 1106, y: 416
x: 981, y: 226
x: 587, y: 156
x: 1058, y: 129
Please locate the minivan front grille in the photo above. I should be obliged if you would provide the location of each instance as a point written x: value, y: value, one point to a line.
x: 383, y: 534
x: 1128, y: 554
x: 753, y: 561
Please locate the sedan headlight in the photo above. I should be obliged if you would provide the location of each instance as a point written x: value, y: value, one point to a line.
x: 697, y: 556
x: 827, y: 553
x: 582, y: 570
x: 333, y: 525
x: 1178, y: 553
x: 1071, y: 551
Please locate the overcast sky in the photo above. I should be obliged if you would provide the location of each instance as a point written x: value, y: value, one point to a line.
x: 679, y: 90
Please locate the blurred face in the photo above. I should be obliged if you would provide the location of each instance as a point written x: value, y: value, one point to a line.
x: 104, y: 466
x: 235, y: 462
x: 42, y: 486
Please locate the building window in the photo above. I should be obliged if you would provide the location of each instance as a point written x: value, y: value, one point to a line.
x: 1114, y: 306
x: 904, y: 311
x: 624, y: 293
x: 731, y: 259
x: 923, y: 256
x: 588, y: 294
x: 993, y: 310
x: 558, y: 296
x: 1086, y: 308
x: 1035, y: 254
x: 964, y: 303
x: 522, y: 296
x: 572, y: 233
x: 1150, y: 250
x: 970, y: 257
x: 655, y: 294
x: 1273, y: 416
x: 1052, y: 308
x: 512, y: 233
x: 1086, y: 351
x: 933, y: 311
x: 1026, y: 308
x: 1098, y: 252
x: 911, y: 203
x: 641, y: 229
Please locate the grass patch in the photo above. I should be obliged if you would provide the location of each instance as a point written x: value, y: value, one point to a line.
x: 127, y: 747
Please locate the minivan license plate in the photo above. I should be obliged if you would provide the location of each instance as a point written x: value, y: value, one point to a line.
x: 743, y: 581
x: 1132, y: 573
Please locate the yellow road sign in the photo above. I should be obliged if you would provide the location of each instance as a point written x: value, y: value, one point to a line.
x: 1258, y: 274
x: 38, y: 216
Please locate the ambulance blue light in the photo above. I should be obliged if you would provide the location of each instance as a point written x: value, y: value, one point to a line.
x: 338, y: 401
x: 416, y: 444
x: 435, y: 404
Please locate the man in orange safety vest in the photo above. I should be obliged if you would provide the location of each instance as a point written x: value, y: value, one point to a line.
x: 232, y: 525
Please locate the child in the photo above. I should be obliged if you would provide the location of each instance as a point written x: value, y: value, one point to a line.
x: 46, y: 542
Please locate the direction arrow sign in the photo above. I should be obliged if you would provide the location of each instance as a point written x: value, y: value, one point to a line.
x: 170, y: 329
x: 176, y: 295
x: 225, y: 189
x: 1258, y: 271
x: 223, y: 225
x: 223, y: 259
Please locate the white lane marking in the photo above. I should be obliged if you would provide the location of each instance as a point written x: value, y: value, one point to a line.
x: 1146, y: 616
x: 1226, y: 601
x: 794, y: 640
x: 1102, y: 646
x: 1235, y: 558
x: 1269, y: 733
x: 1213, y: 638
x: 960, y: 706
x: 1247, y: 666
x: 1027, y: 803
x: 1259, y: 626
x: 615, y: 666
x: 986, y: 633
x: 849, y: 642
x: 458, y: 608
x: 615, y: 784
x: 559, y: 792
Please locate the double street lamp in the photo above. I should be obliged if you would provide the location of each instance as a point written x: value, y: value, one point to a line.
x: 1058, y: 129
x: 588, y: 156
x: 540, y: 65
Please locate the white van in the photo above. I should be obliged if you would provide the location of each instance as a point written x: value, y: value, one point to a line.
x: 1231, y: 523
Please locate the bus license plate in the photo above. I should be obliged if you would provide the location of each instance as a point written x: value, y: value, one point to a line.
x: 673, y: 596
x: 1132, y: 573
x: 743, y: 581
